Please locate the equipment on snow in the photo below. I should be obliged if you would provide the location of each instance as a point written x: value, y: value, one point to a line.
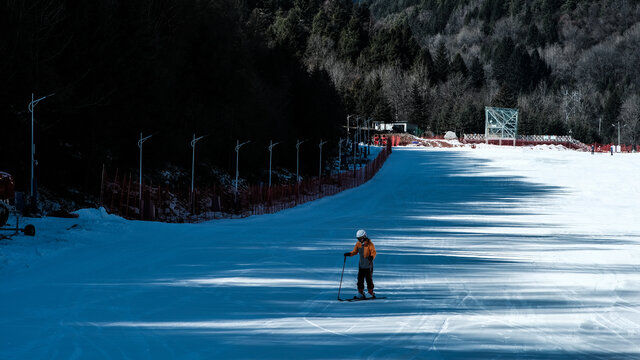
x: 356, y: 298
x: 341, y: 275
x: 28, y: 230
x: 7, y: 194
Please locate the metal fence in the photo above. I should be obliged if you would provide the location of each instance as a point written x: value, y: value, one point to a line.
x: 527, y: 140
x: 120, y: 195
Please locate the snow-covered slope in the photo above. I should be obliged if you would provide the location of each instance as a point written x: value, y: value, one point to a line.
x: 484, y: 253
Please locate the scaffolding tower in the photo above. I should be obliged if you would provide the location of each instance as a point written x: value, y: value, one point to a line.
x: 500, y: 123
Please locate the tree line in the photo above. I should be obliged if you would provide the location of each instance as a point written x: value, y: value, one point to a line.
x: 568, y: 66
x: 164, y: 68
x: 293, y: 69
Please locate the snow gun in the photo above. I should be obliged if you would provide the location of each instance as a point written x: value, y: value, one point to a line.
x: 7, y: 186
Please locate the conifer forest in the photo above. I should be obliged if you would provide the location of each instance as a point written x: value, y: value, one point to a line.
x: 284, y: 70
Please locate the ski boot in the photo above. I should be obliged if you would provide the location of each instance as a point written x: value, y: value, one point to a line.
x: 373, y: 295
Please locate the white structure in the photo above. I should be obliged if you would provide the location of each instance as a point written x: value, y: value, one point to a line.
x: 450, y: 135
x: 500, y: 123
x: 394, y: 126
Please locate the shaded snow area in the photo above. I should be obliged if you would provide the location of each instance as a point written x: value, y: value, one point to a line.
x: 483, y: 253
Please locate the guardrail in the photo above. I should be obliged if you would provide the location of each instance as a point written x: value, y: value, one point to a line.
x: 120, y: 196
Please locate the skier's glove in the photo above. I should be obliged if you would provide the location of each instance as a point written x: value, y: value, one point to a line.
x: 370, y: 258
x: 347, y: 254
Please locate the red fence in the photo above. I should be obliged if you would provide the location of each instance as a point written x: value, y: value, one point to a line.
x: 121, y: 196
x: 607, y: 148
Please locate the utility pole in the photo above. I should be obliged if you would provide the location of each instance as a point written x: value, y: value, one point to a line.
x: 140, y: 142
x: 271, y: 145
x: 298, y: 143
x: 193, y: 159
x: 599, y: 125
x: 31, y: 108
x: 238, y: 146
x: 356, y: 144
x: 320, y: 166
x: 339, y: 155
x: 368, y: 137
x: 618, y: 127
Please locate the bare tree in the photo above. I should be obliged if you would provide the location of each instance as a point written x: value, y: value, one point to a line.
x: 630, y: 118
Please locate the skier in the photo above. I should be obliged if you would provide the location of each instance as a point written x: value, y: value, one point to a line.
x: 367, y: 252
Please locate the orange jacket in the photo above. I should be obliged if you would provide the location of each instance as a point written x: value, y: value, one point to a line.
x: 366, y: 250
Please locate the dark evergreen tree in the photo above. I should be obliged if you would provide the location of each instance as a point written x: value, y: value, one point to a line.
x: 534, y: 38
x: 320, y: 24
x: 405, y: 46
x: 351, y: 41
x: 373, y: 103
x: 493, y: 10
x: 519, y: 75
x: 338, y: 13
x: 441, y: 63
x: 458, y: 66
x: 393, y: 46
x: 540, y: 71
x: 569, y: 5
x: 502, y: 59
x: 424, y: 59
x: 505, y: 98
x: 289, y: 31
x: 549, y: 29
x: 476, y: 73
x: 423, y: 65
x: 611, y: 108
x: 418, y: 108
x: 551, y: 6
x: 354, y: 38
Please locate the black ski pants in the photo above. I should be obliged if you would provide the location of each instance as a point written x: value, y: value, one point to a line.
x: 362, y: 275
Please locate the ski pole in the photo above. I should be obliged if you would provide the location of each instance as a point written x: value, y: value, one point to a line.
x: 341, y: 275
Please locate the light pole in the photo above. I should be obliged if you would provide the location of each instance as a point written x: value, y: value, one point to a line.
x: 31, y: 108
x: 193, y: 158
x: 298, y: 143
x: 368, y: 137
x: 618, y: 127
x: 140, y: 142
x: 355, y: 145
x: 271, y: 145
x: 599, y: 125
x: 238, y: 146
x: 357, y: 133
x: 340, y: 155
x: 320, y: 166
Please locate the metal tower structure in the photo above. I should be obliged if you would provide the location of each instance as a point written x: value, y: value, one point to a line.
x: 500, y: 123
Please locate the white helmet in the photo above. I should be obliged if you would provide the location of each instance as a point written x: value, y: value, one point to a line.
x: 361, y: 233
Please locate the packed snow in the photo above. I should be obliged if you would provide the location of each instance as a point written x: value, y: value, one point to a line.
x: 492, y: 252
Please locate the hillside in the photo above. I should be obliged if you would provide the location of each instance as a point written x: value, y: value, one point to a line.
x: 569, y: 66
x: 279, y: 70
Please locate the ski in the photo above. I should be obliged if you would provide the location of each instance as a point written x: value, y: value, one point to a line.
x: 355, y: 298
